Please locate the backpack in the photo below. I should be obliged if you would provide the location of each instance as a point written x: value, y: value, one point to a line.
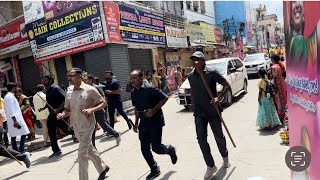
x: 270, y: 91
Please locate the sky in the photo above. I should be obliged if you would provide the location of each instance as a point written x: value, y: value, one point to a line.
x: 273, y: 7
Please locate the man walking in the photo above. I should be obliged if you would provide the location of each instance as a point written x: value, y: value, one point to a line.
x: 16, y: 123
x: 39, y: 101
x: 25, y: 157
x: 205, y: 113
x: 148, y: 101
x: 82, y: 101
x: 55, y: 98
x: 113, y: 91
x: 100, y: 115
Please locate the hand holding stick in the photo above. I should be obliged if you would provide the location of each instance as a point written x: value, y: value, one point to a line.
x: 212, y: 99
x: 52, y: 108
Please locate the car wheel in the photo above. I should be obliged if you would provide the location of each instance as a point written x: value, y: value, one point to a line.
x: 228, y: 97
x: 245, y: 87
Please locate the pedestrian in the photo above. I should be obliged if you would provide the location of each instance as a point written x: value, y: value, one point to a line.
x: 267, y: 117
x: 55, y: 98
x: 96, y: 81
x: 280, y: 84
x: 27, y: 113
x: 100, y: 115
x: 148, y: 101
x: 16, y: 124
x: 25, y: 157
x: 205, y: 113
x: 149, y: 77
x: 184, y: 75
x: 164, y: 82
x: 156, y: 79
x: 178, y: 76
x: 4, y: 122
x: 82, y: 100
x: 39, y: 101
x: 113, y: 91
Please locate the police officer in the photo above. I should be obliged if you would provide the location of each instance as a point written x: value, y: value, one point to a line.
x: 148, y: 101
x: 205, y: 113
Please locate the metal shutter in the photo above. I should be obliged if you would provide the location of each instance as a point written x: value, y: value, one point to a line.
x: 98, y: 62
x: 78, y: 61
x: 140, y: 59
x: 120, y: 66
x: 30, y: 75
x: 61, y: 69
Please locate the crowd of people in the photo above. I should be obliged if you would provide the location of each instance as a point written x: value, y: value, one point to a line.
x: 84, y: 104
x: 272, y: 96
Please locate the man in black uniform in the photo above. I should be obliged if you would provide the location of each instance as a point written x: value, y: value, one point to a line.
x: 205, y: 113
x: 113, y: 91
x: 55, y: 98
x: 148, y: 101
x: 100, y: 115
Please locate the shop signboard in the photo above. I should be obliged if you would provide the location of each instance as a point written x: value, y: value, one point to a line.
x: 303, y: 74
x: 74, y: 31
x: 195, y: 32
x: 208, y: 32
x: 176, y: 37
x: 129, y: 24
x: 13, y: 37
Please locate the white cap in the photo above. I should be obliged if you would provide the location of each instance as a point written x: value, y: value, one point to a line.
x: 197, y: 54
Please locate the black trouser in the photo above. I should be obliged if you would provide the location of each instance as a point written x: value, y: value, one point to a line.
x: 53, y: 124
x: 112, y: 106
x: 152, y: 136
x: 22, y: 141
x: 5, y: 134
x: 202, y: 133
x: 101, y: 119
x: 16, y: 154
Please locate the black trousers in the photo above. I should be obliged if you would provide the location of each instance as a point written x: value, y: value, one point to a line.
x: 112, y: 106
x: 53, y: 124
x: 5, y: 134
x: 202, y: 134
x: 151, y: 137
x: 16, y: 154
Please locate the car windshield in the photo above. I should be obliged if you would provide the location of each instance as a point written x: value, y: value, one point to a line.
x: 220, y: 67
x: 252, y: 58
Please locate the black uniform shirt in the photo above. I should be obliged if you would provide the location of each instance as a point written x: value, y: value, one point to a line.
x: 55, y: 97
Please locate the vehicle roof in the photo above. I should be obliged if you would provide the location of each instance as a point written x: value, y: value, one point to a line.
x: 220, y: 60
x: 255, y: 54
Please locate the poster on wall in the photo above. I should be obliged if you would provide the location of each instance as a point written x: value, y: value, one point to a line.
x: 72, y: 32
x: 303, y: 71
x: 176, y: 37
x: 218, y: 34
x: 128, y: 24
x: 208, y: 32
x: 172, y: 63
x: 195, y: 32
x: 13, y: 37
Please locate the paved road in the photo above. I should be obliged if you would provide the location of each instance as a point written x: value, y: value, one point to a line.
x: 258, y: 153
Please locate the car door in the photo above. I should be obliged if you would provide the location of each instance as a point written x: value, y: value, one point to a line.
x: 238, y: 76
x: 231, y: 77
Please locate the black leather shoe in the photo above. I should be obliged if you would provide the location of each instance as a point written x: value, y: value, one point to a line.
x: 173, y: 155
x: 153, y: 174
x: 102, y: 176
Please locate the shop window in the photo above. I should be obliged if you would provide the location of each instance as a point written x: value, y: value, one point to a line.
x: 202, y: 7
x: 188, y: 5
x: 195, y: 6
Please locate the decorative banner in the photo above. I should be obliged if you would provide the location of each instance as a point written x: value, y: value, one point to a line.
x: 172, y: 62
x: 195, y: 32
x: 218, y: 35
x: 73, y: 32
x: 176, y: 37
x: 13, y: 37
x: 128, y: 24
x: 303, y: 74
x: 208, y: 31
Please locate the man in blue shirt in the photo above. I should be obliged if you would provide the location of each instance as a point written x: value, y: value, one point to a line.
x: 113, y: 90
x: 148, y: 101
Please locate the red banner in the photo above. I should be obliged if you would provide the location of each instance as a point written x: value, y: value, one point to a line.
x: 13, y: 37
x: 218, y: 34
x: 111, y: 11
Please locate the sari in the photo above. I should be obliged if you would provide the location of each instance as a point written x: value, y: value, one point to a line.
x: 26, y: 111
x: 281, y: 97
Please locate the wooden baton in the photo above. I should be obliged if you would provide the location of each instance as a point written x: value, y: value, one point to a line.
x: 10, y: 154
x: 212, y: 97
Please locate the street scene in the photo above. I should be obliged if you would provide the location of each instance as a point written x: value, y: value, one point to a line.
x: 213, y: 90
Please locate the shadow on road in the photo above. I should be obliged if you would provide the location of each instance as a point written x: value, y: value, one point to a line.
x: 16, y: 175
x: 167, y: 175
x: 264, y: 132
x: 108, y: 149
x: 46, y: 160
x: 222, y: 173
x: 69, y: 143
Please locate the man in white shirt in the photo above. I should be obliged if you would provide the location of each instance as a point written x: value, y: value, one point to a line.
x: 39, y: 101
x: 16, y: 123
